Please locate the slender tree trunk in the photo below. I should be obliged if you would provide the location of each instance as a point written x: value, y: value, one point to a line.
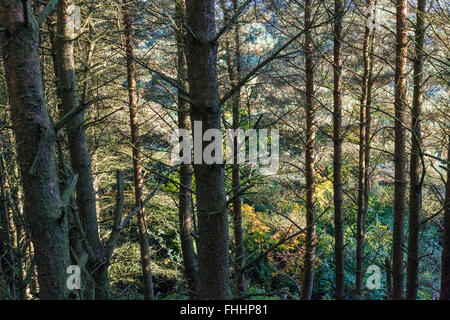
x: 364, y: 152
x: 185, y: 209
x: 209, y: 178
x: 445, y: 267
x: 234, y: 73
x: 35, y: 147
x: 337, y: 157
x: 236, y: 174
x: 137, y: 167
x: 78, y: 148
x: 400, y: 151
x: 311, y: 237
x: 94, y: 116
x: 415, y: 195
x: 362, y: 167
x: 368, y: 118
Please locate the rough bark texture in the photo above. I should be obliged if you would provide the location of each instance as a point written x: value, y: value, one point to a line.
x: 78, y: 148
x: 35, y: 147
x: 337, y: 157
x: 211, y: 201
x: 311, y: 238
x: 185, y: 208
x: 400, y: 151
x: 415, y: 195
x: 137, y: 167
x: 445, y: 268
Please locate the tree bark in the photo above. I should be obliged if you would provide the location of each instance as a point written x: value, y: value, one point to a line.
x: 445, y: 267
x: 415, y: 195
x: 400, y: 150
x: 185, y: 208
x: 311, y: 238
x: 337, y: 156
x: 35, y: 147
x: 211, y: 201
x: 78, y: 148
x: 137, y: 167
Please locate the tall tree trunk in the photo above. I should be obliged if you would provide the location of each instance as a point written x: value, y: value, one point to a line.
x: 362, y: 166
x: 78, y: 148
x: 400, y: 151
x: 445, y: 267
x: 364, y: 152
x: 234, y: 73
x: 415, y: 195
x: 236, y: 174
x: 209, y: 178
x: 337, y: 157
x: 35, y: 147
x: 137, y: 167
x: 185, y: 208
x: 311, y: 237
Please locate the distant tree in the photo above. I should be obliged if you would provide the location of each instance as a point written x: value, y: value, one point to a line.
x: 137, y: 166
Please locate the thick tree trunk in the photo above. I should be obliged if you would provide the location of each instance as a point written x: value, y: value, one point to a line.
x: 185, y: 208
x: 337, y: 156
x: 415, y: 195
x: 445, y: 267
x: 400, y: 151
x: 137, y: 167
x: 311, y: 238
x: 211, y: 201
x: 78, y: 148
x: 35, y: 147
